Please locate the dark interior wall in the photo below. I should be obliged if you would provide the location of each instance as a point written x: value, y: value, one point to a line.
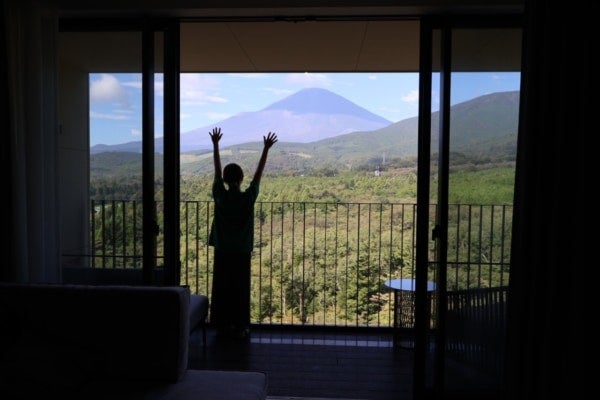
x: 5, y: 153
x: 288, y: 8
x: 551, y: 249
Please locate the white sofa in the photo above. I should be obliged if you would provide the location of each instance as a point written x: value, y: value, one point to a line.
x: 106, y: 342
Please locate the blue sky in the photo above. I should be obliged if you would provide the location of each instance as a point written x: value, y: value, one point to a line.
x: 206, y: 99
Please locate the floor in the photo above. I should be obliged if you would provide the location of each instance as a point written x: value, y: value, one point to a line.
x: 315, y: 365
x: 302, y: 398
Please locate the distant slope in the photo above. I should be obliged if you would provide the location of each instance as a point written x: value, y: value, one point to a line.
x: 321, y: 101
x: 131, y: 147
x: 305, y: 116
x: 481, y: 119
x: 482, y: 129
x: 116, y: 164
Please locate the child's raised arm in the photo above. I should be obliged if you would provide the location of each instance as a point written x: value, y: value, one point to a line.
x: 269, y: 141
x: 215, y: 136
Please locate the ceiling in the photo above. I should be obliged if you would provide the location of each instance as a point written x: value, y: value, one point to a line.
x: 258, y: 36
x: 300, y: 47
x: 283, y: 8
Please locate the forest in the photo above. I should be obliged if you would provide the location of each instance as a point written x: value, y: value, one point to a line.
x: 325, y: 242
x: 335, y: 218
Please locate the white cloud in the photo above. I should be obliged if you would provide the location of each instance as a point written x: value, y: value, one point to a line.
x: 158, y: 85
x: 309, y: 79
x: 122, y: 111
x: 198, y: 89
x: 136, y: 132
x: 108, y: 89
x: 411, y: 97
x: 409, y: 109
x: 372, y: 77
x: 133, y: 84
x: 213, y: 116
x: 116, y: 116
x: 278, y: 91
x: 196, y: 98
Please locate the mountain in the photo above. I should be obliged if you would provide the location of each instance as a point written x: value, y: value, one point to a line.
x: 481, y: 119
x: 305, y: 116
x: 483, y: 130
x: 133, y: 147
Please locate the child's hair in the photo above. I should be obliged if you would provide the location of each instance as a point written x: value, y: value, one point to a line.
x: 233, y: 173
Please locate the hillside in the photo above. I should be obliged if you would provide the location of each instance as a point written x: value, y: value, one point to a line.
x: 483, y: 130
x: 305, y: 116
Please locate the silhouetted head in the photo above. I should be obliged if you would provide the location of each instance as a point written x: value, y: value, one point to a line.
x: 233, y: 174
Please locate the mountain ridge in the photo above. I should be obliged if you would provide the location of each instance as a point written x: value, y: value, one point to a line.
x: 305, y: 116
x: 322, y: 101
x: 483, y: 130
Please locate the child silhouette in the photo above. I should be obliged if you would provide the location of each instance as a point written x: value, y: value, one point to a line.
x: 232, y: 236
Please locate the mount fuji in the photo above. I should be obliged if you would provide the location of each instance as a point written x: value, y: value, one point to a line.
x: 306, y: 116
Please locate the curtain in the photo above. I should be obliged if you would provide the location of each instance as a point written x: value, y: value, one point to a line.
x: 29, y: 32
x: 550, y: 252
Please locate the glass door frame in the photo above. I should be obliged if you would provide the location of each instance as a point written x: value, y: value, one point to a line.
x: 149, y: 27
x: 172, y: 260
x: 171, y: 66
x: 421, y: 375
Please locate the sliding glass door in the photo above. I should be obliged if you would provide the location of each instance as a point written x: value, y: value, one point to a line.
x: 120, y: 157
x: 467, y: 158
x: 116, y: 97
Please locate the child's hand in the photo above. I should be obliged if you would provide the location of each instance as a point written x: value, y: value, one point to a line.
x: 215, y: 135
x: 270, y: 140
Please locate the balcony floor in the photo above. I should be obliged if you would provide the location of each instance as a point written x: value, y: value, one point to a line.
x: 313, y: 364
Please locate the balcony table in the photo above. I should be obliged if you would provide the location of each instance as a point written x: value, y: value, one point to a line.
x: 404, y: 308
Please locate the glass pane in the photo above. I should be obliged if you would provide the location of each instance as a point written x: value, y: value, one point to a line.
x: 483, y: 139
x: 100, y: 86
x: 159, y: 131
x: 100, y: 191
x: 334, y: 220
x: 433, y: 265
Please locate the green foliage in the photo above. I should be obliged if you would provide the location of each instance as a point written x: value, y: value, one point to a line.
x: 483, y: 186
x: 325, y: 244
x: 335, y: 218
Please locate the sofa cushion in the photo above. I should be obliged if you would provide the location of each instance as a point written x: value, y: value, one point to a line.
x: 41, y: 366
x: 106, y: 343
x: 215, y: 385
x: 198, y: 310
x: 11, y: 330
x: 132, y: 331
x: 195, y: 385
x: 132, y: 277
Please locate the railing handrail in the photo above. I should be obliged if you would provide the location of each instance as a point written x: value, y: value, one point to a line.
x: 318, y: 262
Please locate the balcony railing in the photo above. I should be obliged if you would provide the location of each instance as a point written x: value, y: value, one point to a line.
x: 320, y: 264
